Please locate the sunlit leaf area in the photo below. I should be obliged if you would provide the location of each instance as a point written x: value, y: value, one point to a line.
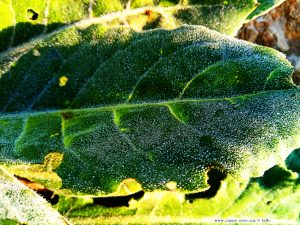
x: 147, y: 112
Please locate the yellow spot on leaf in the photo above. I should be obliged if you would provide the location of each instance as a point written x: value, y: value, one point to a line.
x: 53, y: 135
x: 123, y: 129
x: 52, y: 161
x: 63, y: 81
x: 171, y: 185
x: 36, y: 53
x: 133, y: 203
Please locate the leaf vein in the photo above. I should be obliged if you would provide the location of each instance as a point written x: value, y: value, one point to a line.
x: 124, y: 136
x: 46, y: 14
x: 114, y: 54
x: 146, y: 73
x: 12, y: 38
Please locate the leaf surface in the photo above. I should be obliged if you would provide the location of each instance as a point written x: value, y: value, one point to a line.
x: 156, y: 106
x: 271, y: 199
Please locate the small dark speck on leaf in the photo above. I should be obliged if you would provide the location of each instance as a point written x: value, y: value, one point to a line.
x: 215, y: 176
x: 219, y: 112
x: 148, y: 12
x: 67, y: 115
x: 293, y: 95
x: 206, y: 140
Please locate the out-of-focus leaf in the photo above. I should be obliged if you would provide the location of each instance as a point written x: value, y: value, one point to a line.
x: 264, y: 7
x: 22, y: 20
x: 20, y: 205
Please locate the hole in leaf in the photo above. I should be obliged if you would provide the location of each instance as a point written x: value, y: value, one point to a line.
x: 117, y: 201
x: 32, y: 15
x: 215, y: 176
x: 40, y: 189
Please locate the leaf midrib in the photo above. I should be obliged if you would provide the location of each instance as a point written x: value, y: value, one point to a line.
x: 142, y: 104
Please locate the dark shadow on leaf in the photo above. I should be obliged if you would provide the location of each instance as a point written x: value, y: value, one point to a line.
x: 278, y: 176
x: 215, y: 177
x: 49, y: 195
x: 117, y: 201
x: 23, y: 32
x: 48, y: 62
x: 273, y: 177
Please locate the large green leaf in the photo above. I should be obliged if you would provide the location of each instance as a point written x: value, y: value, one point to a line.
x: 20, y: 205
x: 156, y: 106
x: 22, y: 20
